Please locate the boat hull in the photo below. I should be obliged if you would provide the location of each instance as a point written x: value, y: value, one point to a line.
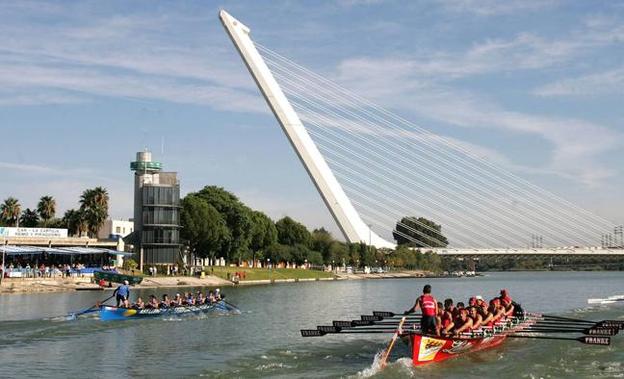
x: 429, y: 349
x: 108, y: 313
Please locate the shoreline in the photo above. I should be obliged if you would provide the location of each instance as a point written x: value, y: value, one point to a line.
x: 54, y: 285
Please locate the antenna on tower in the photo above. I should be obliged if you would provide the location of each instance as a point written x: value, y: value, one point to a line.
x: 162, y: 145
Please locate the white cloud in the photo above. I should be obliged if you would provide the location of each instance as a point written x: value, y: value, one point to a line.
x: 604, y: 83
x: 495, y: 7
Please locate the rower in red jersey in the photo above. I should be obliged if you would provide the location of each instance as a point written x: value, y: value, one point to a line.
x: 477, y: 320
x: 429, y: 308
x: 446, y: 321
x: 506, y: 302
x: 463, y: 323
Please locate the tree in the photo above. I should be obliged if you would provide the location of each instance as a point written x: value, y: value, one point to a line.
x: 75, y: 221
x: 321, y: 241
x: 46, y: 209
x: 29, y: 218
x: 94, y: 205
x: 203, y: 228
x: 237, y: 217
x: 10, y: 211
x: 263, y: 234
x: 278, y: 253
x: 290, y: 232
x: 419, y: 232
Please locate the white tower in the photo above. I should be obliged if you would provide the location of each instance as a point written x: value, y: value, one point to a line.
x: 347, y: 218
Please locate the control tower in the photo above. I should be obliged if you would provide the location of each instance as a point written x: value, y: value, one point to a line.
x: 156, y: 212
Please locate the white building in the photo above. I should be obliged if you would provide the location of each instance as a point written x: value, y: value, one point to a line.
x: 116, y: 229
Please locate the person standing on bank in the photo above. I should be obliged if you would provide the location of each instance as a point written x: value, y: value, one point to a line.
x: 429, y: 308
x: 122, y: 294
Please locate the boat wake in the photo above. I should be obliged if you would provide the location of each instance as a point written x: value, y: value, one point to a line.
x: 401, y: 368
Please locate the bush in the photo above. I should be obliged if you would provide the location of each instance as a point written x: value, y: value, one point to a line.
x: 130, y: 264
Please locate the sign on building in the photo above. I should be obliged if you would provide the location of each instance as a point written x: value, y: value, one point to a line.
x: 33, y: 232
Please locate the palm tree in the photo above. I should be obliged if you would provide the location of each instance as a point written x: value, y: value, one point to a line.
x: 10, y: 211
x: 46, y: 209
x: 94, y: 204
x: 29, y: 218
x: 75, y: 221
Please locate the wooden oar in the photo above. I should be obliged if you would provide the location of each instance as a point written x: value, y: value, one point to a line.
x: 386, y: 353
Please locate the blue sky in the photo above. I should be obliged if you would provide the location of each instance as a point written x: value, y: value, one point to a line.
x: 536, y: 86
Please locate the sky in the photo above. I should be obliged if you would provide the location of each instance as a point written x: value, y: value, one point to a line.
x: 534, y: 86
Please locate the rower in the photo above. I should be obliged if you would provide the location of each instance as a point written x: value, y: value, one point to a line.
x: 190, y: 300
x: 473, y: 313
x: 506, y: 302
x: 200, y: 298
x: 446, y: 323
x: 463, y: 323
x: 211, y: 297
x: 152, y: 303
x: 139, y: 304
x: 439, y: 318
x: 218, y: 296
x: 122, y: 294
x: 165, y: 302
x: 177, y: 300
x: 429, y: 309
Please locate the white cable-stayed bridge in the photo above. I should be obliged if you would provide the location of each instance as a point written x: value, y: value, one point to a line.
x: 384, y: 178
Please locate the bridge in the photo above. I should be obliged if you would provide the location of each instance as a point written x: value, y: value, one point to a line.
x: 585, y: 252
x: 385, y: 178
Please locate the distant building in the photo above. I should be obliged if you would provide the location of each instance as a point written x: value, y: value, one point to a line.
x: 156, y: 236
x: 116, y: 229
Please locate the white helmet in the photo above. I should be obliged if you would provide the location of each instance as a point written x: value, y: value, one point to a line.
x: 126, y: 282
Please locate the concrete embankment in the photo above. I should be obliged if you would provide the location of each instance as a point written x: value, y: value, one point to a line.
x: 84, y: 284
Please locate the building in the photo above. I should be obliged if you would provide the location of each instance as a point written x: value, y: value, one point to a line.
x: 116, y: 229
x: 156, y: 236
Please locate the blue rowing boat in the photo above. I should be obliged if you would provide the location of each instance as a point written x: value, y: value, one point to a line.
x: 108, y: 313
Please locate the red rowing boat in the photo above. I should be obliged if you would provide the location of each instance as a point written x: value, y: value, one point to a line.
x: 428, y: 349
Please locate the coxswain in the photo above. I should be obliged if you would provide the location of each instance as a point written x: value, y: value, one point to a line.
x: 446, y: 324
x: 429, y: 309
x: 463, y: 323
x: 122, y: 293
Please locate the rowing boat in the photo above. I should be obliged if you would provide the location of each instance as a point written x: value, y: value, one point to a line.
x: 428, y: 349
x: 116, y: 277
x: 109, y: 313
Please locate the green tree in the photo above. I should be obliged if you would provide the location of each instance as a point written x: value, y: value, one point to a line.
x: 46, y: 209
x: 237, y: 217
x: 263, y: 234
x: 75, y: 221
x: 291, y: 232
x: 315, y: 258
x: 419, y: 232
x: 29, y: 218
x: 94, y: 205
x: 278, y: 253
x: 321, y: 241
x: 339, y: 253
x: 203, y: 228
x: 10, y: 211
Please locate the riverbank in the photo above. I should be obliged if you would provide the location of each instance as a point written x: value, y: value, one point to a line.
x: 245, y: 276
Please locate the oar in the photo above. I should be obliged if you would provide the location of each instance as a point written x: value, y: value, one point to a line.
x: 386, y: 353
x: 588, y: 340
x: 74, y: 315
x: 588, y: 331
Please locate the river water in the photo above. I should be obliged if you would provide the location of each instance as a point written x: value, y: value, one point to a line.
x: 264, y: 341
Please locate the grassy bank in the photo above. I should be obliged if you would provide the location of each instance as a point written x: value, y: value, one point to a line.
x: 268, y: 274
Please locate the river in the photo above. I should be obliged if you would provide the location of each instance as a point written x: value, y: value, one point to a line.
x: 264, y: 341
